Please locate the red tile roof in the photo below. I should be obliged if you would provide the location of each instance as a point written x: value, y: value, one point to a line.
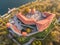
x: 41, y: 25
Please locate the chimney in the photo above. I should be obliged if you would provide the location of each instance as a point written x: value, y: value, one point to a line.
x: 33, y: 10
x: 29, y: 11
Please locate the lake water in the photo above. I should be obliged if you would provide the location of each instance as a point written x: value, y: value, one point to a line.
x: 5, y: 4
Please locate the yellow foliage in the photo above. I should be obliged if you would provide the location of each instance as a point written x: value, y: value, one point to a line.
x: 28, y: 30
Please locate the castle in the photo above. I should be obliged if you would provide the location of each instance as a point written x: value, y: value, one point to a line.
x: 34, y: 21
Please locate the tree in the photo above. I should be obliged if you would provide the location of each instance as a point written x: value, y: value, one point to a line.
x: 36, y: 42
x: 28, y: 30
x: 26, y: 10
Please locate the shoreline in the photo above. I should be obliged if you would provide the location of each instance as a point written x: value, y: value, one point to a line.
x: 6, y: 14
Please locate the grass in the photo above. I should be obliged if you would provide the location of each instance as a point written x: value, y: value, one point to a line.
x: 42, y: 35
x: 23, y: 40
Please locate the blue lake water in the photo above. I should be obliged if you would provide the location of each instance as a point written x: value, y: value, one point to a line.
x: 5, y: 4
